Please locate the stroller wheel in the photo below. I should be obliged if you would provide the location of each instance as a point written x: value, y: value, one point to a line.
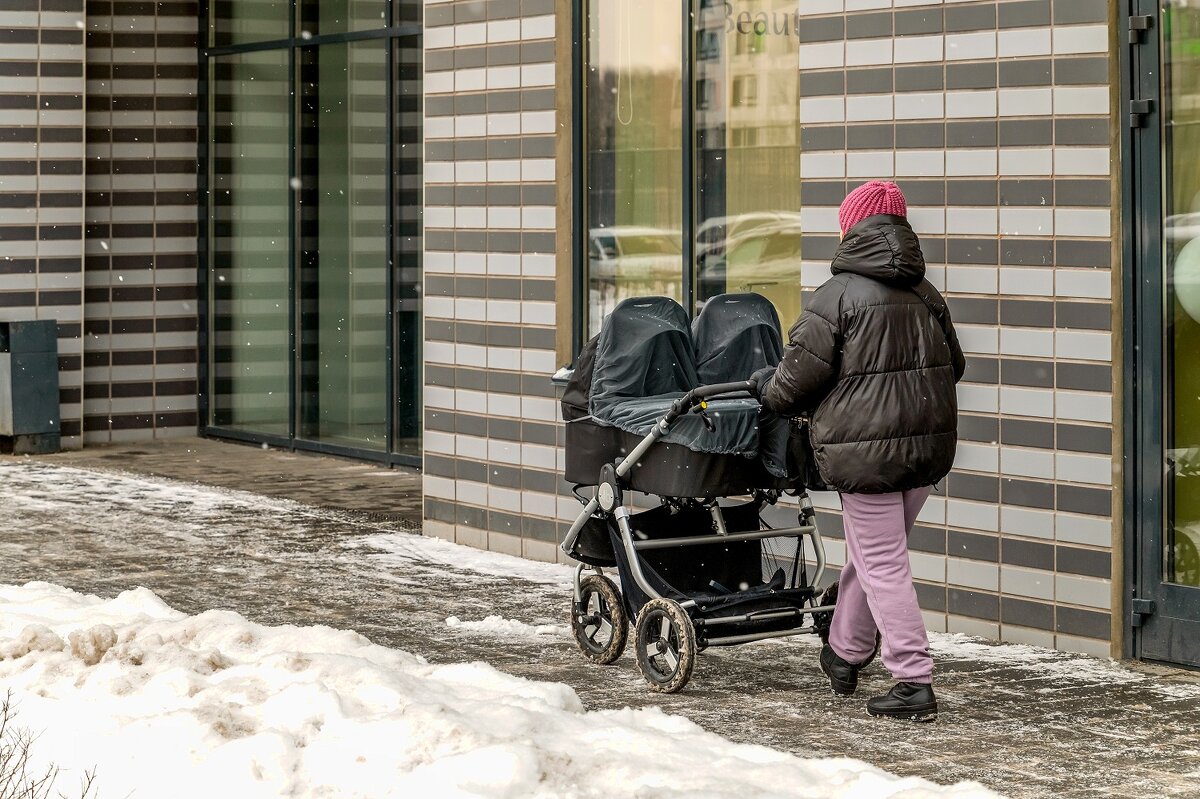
x: 599, y: 622
x: 666, y: 645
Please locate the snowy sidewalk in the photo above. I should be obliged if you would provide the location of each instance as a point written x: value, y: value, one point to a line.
x: 1023, y: 721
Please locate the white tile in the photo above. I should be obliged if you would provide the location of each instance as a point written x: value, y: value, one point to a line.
x: 968, y: 104
x: 1027, y: 583
x: 1026, y: 161
x: 974, y: 457
x: 824, y: 55
x: 1074, y: 39
x: 1017, y: 221
x: 1083, y: 283
x: 1083, y: 346
x: 1020, y: 42
x: 920, y: 163
x: 930, y: 568
x: 1087, y: 591
x: 919, y: 49
x: 927, y: 221
x: 1026, y: 522
x: 538, y: 27
x: 979, y: 399
x: 1082, y: 160
x: 867, y: 52
x: 971, y: 221
x: 971, y: 162
x: 1081, y: 100
x: 1027, y: 402
x: 866, y: 5
x: 815, y: 110
x: 972, y: 279
x: 973, y: 574
x: 1026, y: 102
x: 1027, y: 342
x: 869, y: 107
x: 1095, y: 469
x: 970, y: 46
x: 823, y: 165
x: 1085, y: 406
x: 1090, y: 222
x: 920, y: 105
x: 1023, y: 462
x: 814, y: 7
x: 978, y: 339
x: 867, y: 164
x: 1089, y: 530
x: 973, y: 515
x: 1085, y: 646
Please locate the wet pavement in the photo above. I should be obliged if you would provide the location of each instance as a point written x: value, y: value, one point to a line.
x: 1026, y: 722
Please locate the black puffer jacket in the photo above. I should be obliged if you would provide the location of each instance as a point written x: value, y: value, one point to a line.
x: 876, y: 366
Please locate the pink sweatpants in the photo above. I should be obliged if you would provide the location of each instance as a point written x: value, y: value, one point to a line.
x: 876, y: 587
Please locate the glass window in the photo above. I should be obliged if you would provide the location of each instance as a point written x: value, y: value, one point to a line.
x: 407, y: 189
x: 248, y: 242
x: 1181, y: 179
x: 319, y: 17
x: 343, y: 258
x: 742, y: 172
x: 748, y: 162
x: 243, y: 21
x: 634, y: 153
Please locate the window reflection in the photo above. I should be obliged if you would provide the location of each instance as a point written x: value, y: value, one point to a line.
x: 748, y: 155
x: 1181, y: 33
x: 634, y: 123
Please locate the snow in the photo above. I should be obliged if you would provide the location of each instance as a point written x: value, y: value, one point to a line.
x: 506, y: 628
x: 165, y: 704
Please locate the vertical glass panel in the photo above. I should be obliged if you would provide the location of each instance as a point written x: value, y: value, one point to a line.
x: 634, y: 158
x: 748, y: 152
x: 342, y: 16
x: 242, y: 21
x: 343, y: 258
x: 1181, y: 179
x: 248, y: 242
x: 407, y: 196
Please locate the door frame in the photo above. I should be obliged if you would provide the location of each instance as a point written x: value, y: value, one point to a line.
x: 1157, y: 616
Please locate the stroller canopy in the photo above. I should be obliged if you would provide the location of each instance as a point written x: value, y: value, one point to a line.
x: 645, y: 359
x: 736, y: 335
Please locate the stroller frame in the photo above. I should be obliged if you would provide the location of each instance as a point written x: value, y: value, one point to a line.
x: 682, y: 625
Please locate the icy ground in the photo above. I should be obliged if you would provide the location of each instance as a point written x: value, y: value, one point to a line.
x: 1024, y: 721
x: 163, y: 704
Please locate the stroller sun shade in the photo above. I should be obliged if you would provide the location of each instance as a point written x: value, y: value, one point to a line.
x: 736, y: 335
x: 645, y: 359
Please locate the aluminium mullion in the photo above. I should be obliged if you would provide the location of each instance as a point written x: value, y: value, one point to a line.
x: 389, y: 347
x: 688, y: 173
x: 294, y: 196
x: 203, y: 248
x: 579, y: 208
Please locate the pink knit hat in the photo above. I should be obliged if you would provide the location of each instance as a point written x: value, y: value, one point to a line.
x: 869, y: 199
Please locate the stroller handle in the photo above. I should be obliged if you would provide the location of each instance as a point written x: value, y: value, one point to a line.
x: 698, y: 395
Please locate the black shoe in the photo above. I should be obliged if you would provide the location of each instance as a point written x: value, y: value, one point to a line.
x: 907, y: 700
x: 843, y: 675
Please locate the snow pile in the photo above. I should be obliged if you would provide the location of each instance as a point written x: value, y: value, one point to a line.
x: 165, y: 704
x: 506, y: 628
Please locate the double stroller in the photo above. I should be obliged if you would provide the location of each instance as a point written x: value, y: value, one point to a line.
x: 659, y: 407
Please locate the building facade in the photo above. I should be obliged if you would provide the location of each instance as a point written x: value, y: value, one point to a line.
x: 378, y: 228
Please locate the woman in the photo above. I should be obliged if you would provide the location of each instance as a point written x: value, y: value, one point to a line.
x: 874, y: 358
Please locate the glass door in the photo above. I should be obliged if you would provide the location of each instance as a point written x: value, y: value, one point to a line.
x: 312, y: 225
x: 1165, y: 307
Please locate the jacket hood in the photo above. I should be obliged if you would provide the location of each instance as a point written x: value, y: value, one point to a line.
x: 884, y: 248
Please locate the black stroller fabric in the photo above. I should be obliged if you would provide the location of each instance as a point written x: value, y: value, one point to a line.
x: 644, y: 361
x: 736, y: 335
